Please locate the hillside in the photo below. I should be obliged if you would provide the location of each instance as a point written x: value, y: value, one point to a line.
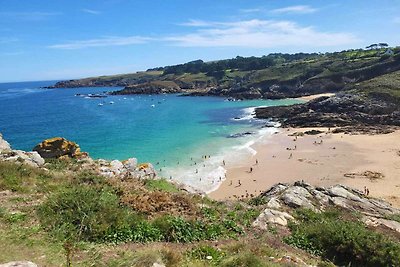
x: 271, y: 76
x: 63, y: 211
x: 373, y: 102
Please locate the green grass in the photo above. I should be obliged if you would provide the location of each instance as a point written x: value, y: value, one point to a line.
x: 345, y: 241
x: 19, y: 177
x: 160, y: 184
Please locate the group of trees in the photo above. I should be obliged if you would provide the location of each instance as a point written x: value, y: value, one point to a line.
x: 238, y: 63
x: 377, y: 46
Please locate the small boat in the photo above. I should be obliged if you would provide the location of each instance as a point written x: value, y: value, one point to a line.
x: 111, y: 102
x: 100, y: 104
x: 153, y: 106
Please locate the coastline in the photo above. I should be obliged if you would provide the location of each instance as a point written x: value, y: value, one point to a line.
x: 350, y: 160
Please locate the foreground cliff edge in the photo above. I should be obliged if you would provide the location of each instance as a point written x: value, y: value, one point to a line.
x: 60, y: 210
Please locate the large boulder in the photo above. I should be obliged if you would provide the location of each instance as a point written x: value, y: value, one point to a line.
x: 271, y: 216
x: 59, y: 147
x: 4, y: 145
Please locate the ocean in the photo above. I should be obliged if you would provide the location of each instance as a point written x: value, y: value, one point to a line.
x: 171, y: 131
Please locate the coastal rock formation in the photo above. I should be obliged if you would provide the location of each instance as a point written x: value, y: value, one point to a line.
x: 8, y: 154
x: 283, y: 198
x: 58, y: 147
x: 337, y: 111
x: 272, y: 216
x: 152, y: 88
x: 19, y: 264
x: 4, y: 145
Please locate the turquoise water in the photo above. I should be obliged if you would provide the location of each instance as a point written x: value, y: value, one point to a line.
x: 171, y: 130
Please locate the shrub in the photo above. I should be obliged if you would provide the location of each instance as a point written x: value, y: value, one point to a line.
x: 83, y: 213
x: 19, y: 177
x: 160, y: 184
x: 344, y: 242
x: 206, y: 253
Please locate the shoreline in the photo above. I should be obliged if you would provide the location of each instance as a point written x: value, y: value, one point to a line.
x: 322, y: 160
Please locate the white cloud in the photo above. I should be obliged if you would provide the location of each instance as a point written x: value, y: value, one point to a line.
x: 196, y: 23
x: 245, y: 33
x: 251, y: 10
x: 102, y: 42
x: 301, y: 9
x: 91, y: 11
x: 260, y: 34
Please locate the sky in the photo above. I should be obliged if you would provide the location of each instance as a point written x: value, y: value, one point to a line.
x: 66, y: 39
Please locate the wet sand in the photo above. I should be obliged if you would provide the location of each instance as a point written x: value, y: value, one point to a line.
x: 338, y: 159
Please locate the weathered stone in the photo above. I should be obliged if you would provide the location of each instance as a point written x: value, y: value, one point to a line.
x: 273, y: 203
x: 57, y: 147
x: 340, y: 191
x: 19, y: 264
x: 4, y: 145
x: 393, y: 225
x: 271, y: 216
x: 116, y: 167
x: 130, y: 164
x: 297, y: 197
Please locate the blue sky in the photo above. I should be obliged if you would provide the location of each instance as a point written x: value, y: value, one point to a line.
x: 63, y: 39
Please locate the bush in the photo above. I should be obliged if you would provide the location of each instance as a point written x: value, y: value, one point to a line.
x: 160, y: 184
x: 206, y: 253
x: 344, y: 242
x: 83, y: 213
x: 19, y: 177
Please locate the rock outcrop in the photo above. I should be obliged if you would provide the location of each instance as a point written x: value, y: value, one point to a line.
x: 8, y: 154
x: 4, y: 145
x: 281, y: 199
x: 337, y: 111
x: 59, y: 147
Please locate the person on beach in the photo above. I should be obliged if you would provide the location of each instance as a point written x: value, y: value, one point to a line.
x: 230, y: 183
x: 251, y: 169
x: 239, y: 183
x: 197, y: 171
x: 256, y: 161
x: 223, y: 162
x: 290, y: 156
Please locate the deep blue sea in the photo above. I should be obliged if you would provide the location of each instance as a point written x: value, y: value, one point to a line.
x: 170, y: 130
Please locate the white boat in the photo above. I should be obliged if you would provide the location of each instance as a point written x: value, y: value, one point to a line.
x: 100, y: 104
x: 111, y: 102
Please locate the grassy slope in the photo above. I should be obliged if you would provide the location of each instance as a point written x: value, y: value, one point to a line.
x: 312, y: 67
x: 386, y: 87
x: 26, y: 235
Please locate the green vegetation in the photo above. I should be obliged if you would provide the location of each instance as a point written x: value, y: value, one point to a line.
x: 385, y: 87
x: 271, y: 76
x: 345, y: 241
x: 51, y: 217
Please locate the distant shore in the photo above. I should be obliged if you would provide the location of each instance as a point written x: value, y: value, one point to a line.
x: 322, y: 160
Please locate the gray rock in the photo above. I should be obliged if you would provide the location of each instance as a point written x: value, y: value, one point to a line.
x: 340, y: 191
x: 270, y: 216
x: 273, y: 203
x: 393, y: 225
x: 130, y: 164
x: 18, y: 264
x: 4, y: 145
x: 116, y: 167
x: 297, y: 197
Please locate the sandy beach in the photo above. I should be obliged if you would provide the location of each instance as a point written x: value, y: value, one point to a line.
x: 322, y: 160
